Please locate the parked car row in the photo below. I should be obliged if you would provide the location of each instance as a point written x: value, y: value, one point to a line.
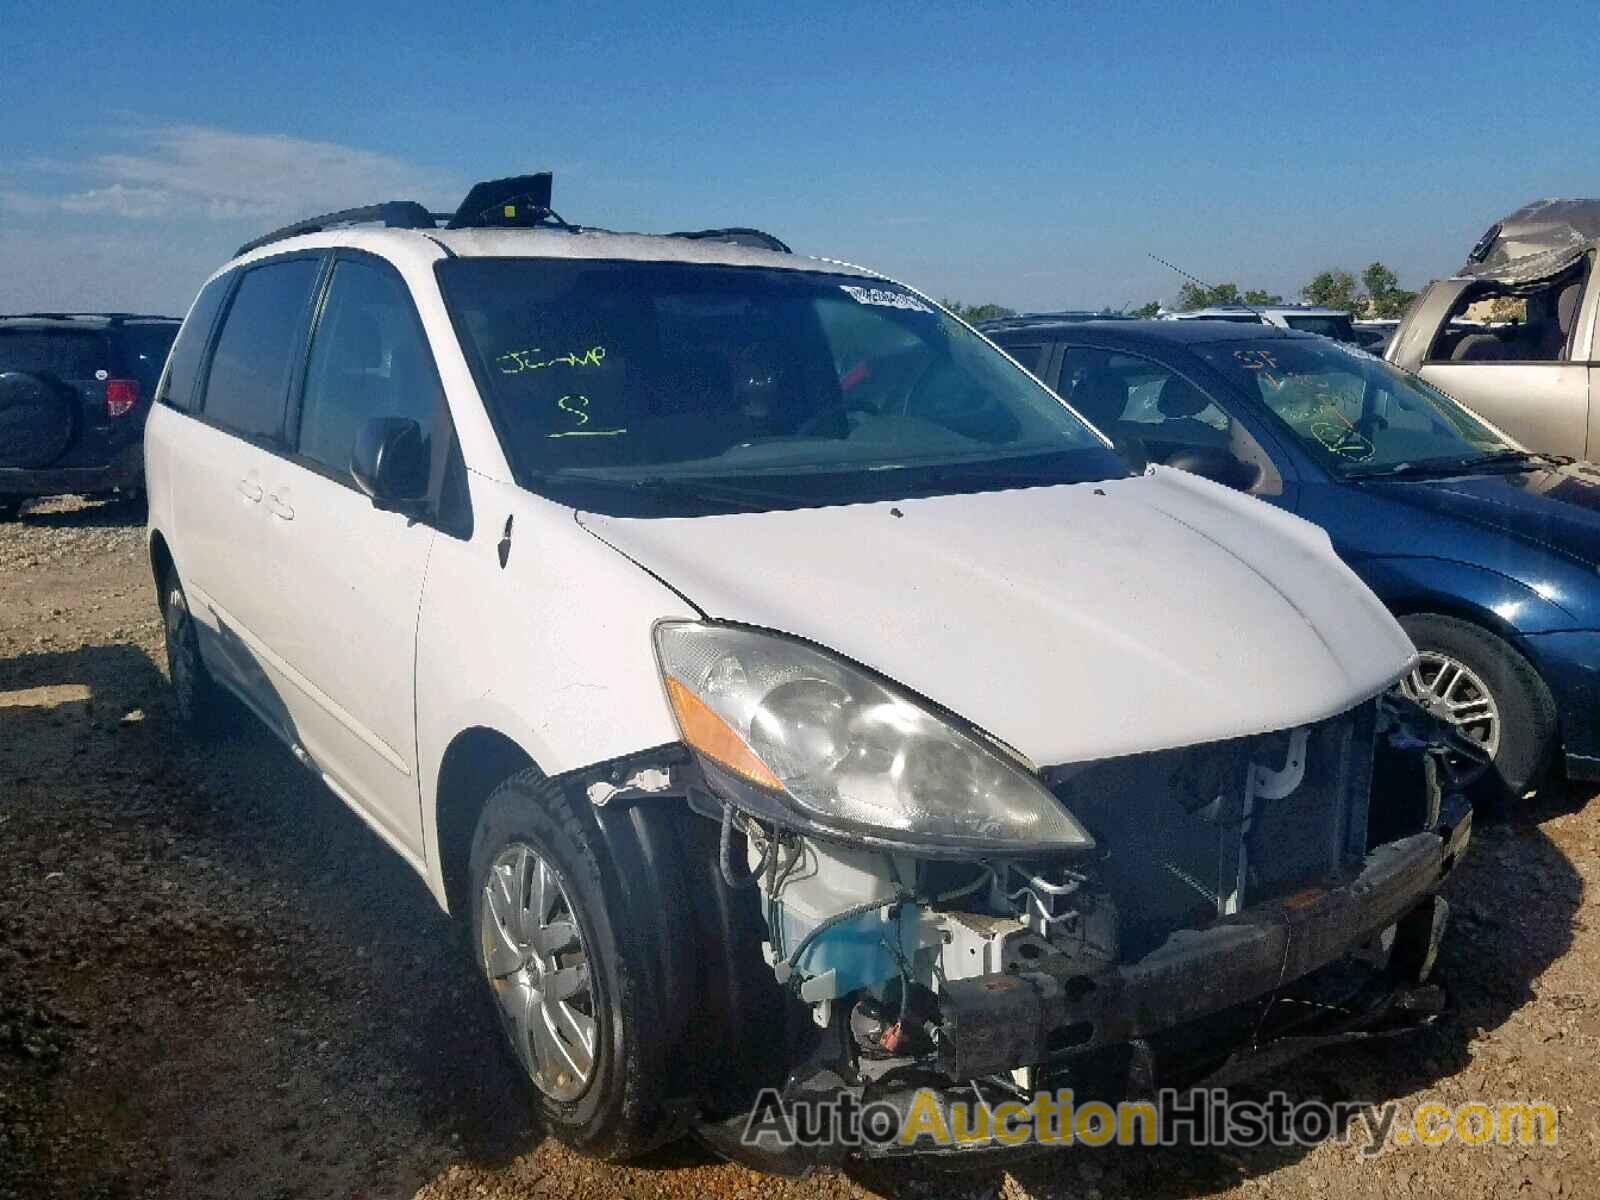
x: 790, y: 691
x: 1306, y: 318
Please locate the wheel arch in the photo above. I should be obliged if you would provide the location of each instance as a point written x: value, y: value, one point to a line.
x: 477, y: 760
x: 1459, y: 609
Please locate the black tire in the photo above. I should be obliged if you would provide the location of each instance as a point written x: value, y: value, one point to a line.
x: 202, y: 706
x: 622, y: 882
x: 1529, y: 731
x: 10, y: 510
x: 39, y: 420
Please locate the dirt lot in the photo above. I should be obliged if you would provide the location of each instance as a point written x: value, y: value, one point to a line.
x: 215, y: 982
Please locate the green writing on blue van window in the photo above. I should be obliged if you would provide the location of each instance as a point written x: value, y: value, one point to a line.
x: 515, y: 362
x: 577, y: 406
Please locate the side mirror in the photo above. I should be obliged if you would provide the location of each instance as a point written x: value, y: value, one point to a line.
x: 1216, y: 465
x: 390, y: 462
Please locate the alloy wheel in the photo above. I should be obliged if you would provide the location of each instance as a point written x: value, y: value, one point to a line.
x: 1455, y: 693
x: 534, y: 955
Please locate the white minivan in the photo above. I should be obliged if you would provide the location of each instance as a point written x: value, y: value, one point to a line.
x: 789, y: 691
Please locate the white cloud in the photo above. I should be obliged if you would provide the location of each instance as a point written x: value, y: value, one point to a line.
x: 141, y: 227
x: 119, y: 200
x: 193, y: 171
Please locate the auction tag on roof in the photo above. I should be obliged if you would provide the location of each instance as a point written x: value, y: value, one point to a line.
x: 884, y: 298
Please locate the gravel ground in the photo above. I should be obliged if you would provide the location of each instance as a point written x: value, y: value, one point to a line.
x: 215, y: 982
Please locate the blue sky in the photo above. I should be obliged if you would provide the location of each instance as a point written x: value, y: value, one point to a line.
x: 1031, y: 155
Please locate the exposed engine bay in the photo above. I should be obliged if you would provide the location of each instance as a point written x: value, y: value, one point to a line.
x: 1220, y: 879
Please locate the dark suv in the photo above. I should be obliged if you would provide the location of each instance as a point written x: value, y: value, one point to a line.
x: 75, y: 389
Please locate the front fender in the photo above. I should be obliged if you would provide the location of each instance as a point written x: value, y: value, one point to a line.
x: 1422, y: 584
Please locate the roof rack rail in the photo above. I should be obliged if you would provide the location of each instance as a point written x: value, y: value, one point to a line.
x: 515, y: 202
x: 737, y: 235
x: 394, y: 214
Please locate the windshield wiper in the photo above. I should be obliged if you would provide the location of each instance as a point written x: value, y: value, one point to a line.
x: 1457, y: 466
x: 688, y: 487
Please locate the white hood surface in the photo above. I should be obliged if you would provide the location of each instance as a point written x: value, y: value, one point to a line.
x: 1074, y: 622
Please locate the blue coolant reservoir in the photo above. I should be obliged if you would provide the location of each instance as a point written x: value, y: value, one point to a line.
x: 854, y: 954
x: 858, y: 953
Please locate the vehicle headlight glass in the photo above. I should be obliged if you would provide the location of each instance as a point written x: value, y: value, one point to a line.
x: 844, y: 750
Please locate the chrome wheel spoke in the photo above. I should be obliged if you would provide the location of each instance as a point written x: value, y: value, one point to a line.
x: 502, y: 956
x: 523, y: 868
x: 527, y: 1019
x: 543, y: 894
x: 554, y: 1062
x: 574, y: 1031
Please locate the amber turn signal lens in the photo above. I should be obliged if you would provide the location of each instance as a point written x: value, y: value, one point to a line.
x: 715, y: 738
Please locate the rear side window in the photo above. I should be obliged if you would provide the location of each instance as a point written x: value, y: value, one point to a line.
x: 368, y: 359
x: 67, y: 355
x: 189, y: 350
x: 1028, y: 355
x: 257, y: 348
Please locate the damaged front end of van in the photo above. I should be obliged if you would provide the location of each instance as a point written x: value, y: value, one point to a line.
x: 948, y: 922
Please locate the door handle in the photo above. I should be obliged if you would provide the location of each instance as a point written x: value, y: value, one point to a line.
x: 279, y: 507
x: 250, y: 491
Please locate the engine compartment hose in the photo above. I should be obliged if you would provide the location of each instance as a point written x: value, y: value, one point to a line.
x: 725, y: 858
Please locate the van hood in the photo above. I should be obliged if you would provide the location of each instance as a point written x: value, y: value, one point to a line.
x: 1074, y: 622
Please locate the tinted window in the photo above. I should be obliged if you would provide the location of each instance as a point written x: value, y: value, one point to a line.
x: 189, y: 350
x: 723, y: 386
x: 368, y: 359
x: 64, y: 354
x: 1028, y: 355
x: 256, y: 349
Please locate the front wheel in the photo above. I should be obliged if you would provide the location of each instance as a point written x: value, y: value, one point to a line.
x: 1478, y: 683
x: 569, y: 925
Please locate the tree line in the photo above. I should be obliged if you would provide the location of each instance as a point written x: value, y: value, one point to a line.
x: 1375, y: 293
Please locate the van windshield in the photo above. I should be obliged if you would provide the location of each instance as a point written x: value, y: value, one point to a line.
x: 656, y: 388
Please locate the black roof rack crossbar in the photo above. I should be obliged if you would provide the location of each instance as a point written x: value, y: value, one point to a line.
x: 394, y: 214
x: 737, y: 235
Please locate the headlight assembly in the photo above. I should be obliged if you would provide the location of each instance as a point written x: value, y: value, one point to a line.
x: 804, y: 737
